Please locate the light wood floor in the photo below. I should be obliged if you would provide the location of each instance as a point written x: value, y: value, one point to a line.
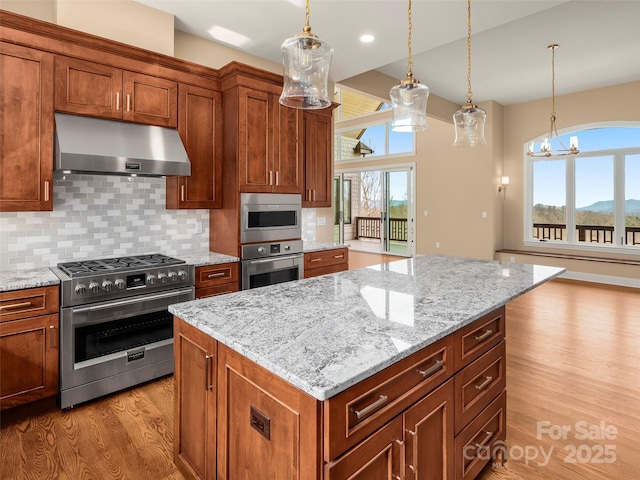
x: 573, y: 355
x: 365, y: 259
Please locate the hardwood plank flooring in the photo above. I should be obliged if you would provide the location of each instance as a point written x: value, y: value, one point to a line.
x: 366, y: 259
x: 573, y: 352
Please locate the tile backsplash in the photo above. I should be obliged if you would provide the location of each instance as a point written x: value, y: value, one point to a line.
x: 100, y: 216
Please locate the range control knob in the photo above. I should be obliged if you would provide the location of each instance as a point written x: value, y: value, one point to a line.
x: 81, y: 289
x: 162, y: 277
x: 107, y: 285
x: 151, y: 279
x: 287, y: 248
x: 120, y: 284
x: 261, y: 250
x: 173, y: 276
x: 183, y: 275
x: 94, y: 287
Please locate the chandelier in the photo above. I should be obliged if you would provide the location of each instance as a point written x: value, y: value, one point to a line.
x: 546, y: 149
x: 306, y: 60
x: 469, y: 120
x: 409, y: 99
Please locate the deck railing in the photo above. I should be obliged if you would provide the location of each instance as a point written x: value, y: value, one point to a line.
x: 369, y: 227
x: 585, y: 233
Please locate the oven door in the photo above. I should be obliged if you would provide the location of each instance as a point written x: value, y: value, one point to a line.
x: 269, y: 271
x: 112, y: 345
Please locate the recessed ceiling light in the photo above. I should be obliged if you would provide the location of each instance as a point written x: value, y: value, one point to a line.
x: 367, y: 38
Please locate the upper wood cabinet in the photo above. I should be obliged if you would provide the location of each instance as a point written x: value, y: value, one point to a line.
x: 89, y: 88
x: 267, y: 145
x: 200, y: 127
x: 317, y: 148
x: 26, y: 129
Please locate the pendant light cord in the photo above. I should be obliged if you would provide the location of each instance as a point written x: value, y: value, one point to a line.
x: 469, y: 93
x: 410, y: 64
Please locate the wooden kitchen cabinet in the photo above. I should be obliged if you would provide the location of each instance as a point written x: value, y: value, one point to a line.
x: 26, y: 129
x: 89, y: 88
x: 322, y: 262
x: 318, y: 158
x: 200, y: 127
x: 28, y: 345
x: 195, y: 402
x: 212, y: 280
x: 268, y: 155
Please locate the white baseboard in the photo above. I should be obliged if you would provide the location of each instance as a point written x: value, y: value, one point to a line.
x: 606, y: 279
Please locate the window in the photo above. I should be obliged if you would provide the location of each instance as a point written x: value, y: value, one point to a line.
x: 375, y: 140
x: 591, y: 200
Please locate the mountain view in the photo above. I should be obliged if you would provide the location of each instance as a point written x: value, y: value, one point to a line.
x: 632, y: 207
x: 599, y: 213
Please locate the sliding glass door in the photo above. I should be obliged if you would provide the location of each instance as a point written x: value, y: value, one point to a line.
x: 397, y: 223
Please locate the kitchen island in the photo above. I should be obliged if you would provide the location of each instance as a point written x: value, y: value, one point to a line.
x: 383, y: 372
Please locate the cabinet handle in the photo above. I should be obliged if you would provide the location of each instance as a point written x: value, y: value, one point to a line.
x: 412, y: 468
x: 433, y: 368
x: 216, y: 275
x: 315, y: 260
x: 182, y: 193
x: 46, y: 190
x: 117, y: 101
x: 412, y: 433
x: 487, y: 381
x: 209, y: 384
x: 339, y: 256
x: 13, y: 306
x: 485, y: 335
x: 52, y: 337
x: 370, y: 408
x: 270, y: 177
x: 485, y: 441
x: 314, y: 194
x: 128, y: 102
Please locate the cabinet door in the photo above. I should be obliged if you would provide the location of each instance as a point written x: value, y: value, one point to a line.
x: 429, y: 436
x: 376, y: 458
x: 318, y: 141
x: 150, y: 100
x: 88, y: 88
x: 200, y: 127
x: 28, y: 360
x: 195, y: 401
x: 26, y: 129
x: 287, y: 156
x: 255, y: 140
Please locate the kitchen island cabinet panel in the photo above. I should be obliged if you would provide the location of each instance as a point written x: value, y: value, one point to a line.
x: 195, y: 402
x: 26, y: 129
x: 200, y: 127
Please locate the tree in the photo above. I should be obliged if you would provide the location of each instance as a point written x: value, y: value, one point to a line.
x: 370, y: 193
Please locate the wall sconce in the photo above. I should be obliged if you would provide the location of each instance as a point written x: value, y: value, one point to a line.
x: 503, y: 185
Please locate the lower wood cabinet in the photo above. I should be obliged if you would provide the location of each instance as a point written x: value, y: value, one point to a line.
x: 322, y: 262
x: 28, y: 345
x: 212, y: 280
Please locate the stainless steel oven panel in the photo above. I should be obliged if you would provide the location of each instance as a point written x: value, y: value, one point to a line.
x: 74, y: 374
x: 269, y: 265
x: 270, y: 202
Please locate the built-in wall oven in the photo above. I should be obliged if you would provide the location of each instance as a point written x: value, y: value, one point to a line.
x: 267, y: 217
x: 115, y: 327
x: 270, y: 263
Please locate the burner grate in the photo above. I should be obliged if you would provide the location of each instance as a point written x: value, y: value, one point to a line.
x: 113, y: 265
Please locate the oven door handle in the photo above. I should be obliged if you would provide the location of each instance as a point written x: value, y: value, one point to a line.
x: 274, y: 259
x: 130, y: 301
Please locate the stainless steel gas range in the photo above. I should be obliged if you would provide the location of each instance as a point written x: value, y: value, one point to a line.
x: 115, y: 329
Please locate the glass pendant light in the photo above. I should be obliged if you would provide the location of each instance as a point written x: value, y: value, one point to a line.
x: 546, y: 149
x: 409, y: 99
x: 469, y: 120
x: 306, y: 60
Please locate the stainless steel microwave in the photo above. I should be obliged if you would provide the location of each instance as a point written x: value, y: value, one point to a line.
x: 268, y: 217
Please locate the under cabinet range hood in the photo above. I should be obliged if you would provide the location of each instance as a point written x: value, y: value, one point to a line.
x: 109, y: 147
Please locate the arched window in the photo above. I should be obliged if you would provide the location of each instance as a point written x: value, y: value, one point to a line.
x: 591, y: 200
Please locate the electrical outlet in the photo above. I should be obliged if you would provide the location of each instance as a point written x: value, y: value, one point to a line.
x: 437, y: 244
x: 198, y: 227
x: 513, y: 259
x: 484, y: 214
x: 321, y: 221
x: 426, y: 212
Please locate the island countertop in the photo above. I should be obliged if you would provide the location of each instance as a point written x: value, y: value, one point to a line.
x: 327, y: 333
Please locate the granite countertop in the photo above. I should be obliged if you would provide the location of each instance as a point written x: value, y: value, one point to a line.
x: 208, y: 258
x: 316, y: 246
x: 42, y: 277
x: 325, y: 334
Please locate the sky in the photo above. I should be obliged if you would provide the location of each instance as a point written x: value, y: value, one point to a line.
x: 594, y: 175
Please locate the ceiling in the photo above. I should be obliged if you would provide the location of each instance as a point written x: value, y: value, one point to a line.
x: 599, y: 40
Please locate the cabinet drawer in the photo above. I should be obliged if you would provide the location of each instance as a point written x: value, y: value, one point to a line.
x: 28, y: 303
x: 316, y: 272
x: 357, y: 412
x: 217, y: 274
x: 478, y: 338
x: 324, y: 258
x: 478, y: 384
x: 482, y: 441
x: 217, y: 290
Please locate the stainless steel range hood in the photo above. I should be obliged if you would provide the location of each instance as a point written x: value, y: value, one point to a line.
x: 108, y: 147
